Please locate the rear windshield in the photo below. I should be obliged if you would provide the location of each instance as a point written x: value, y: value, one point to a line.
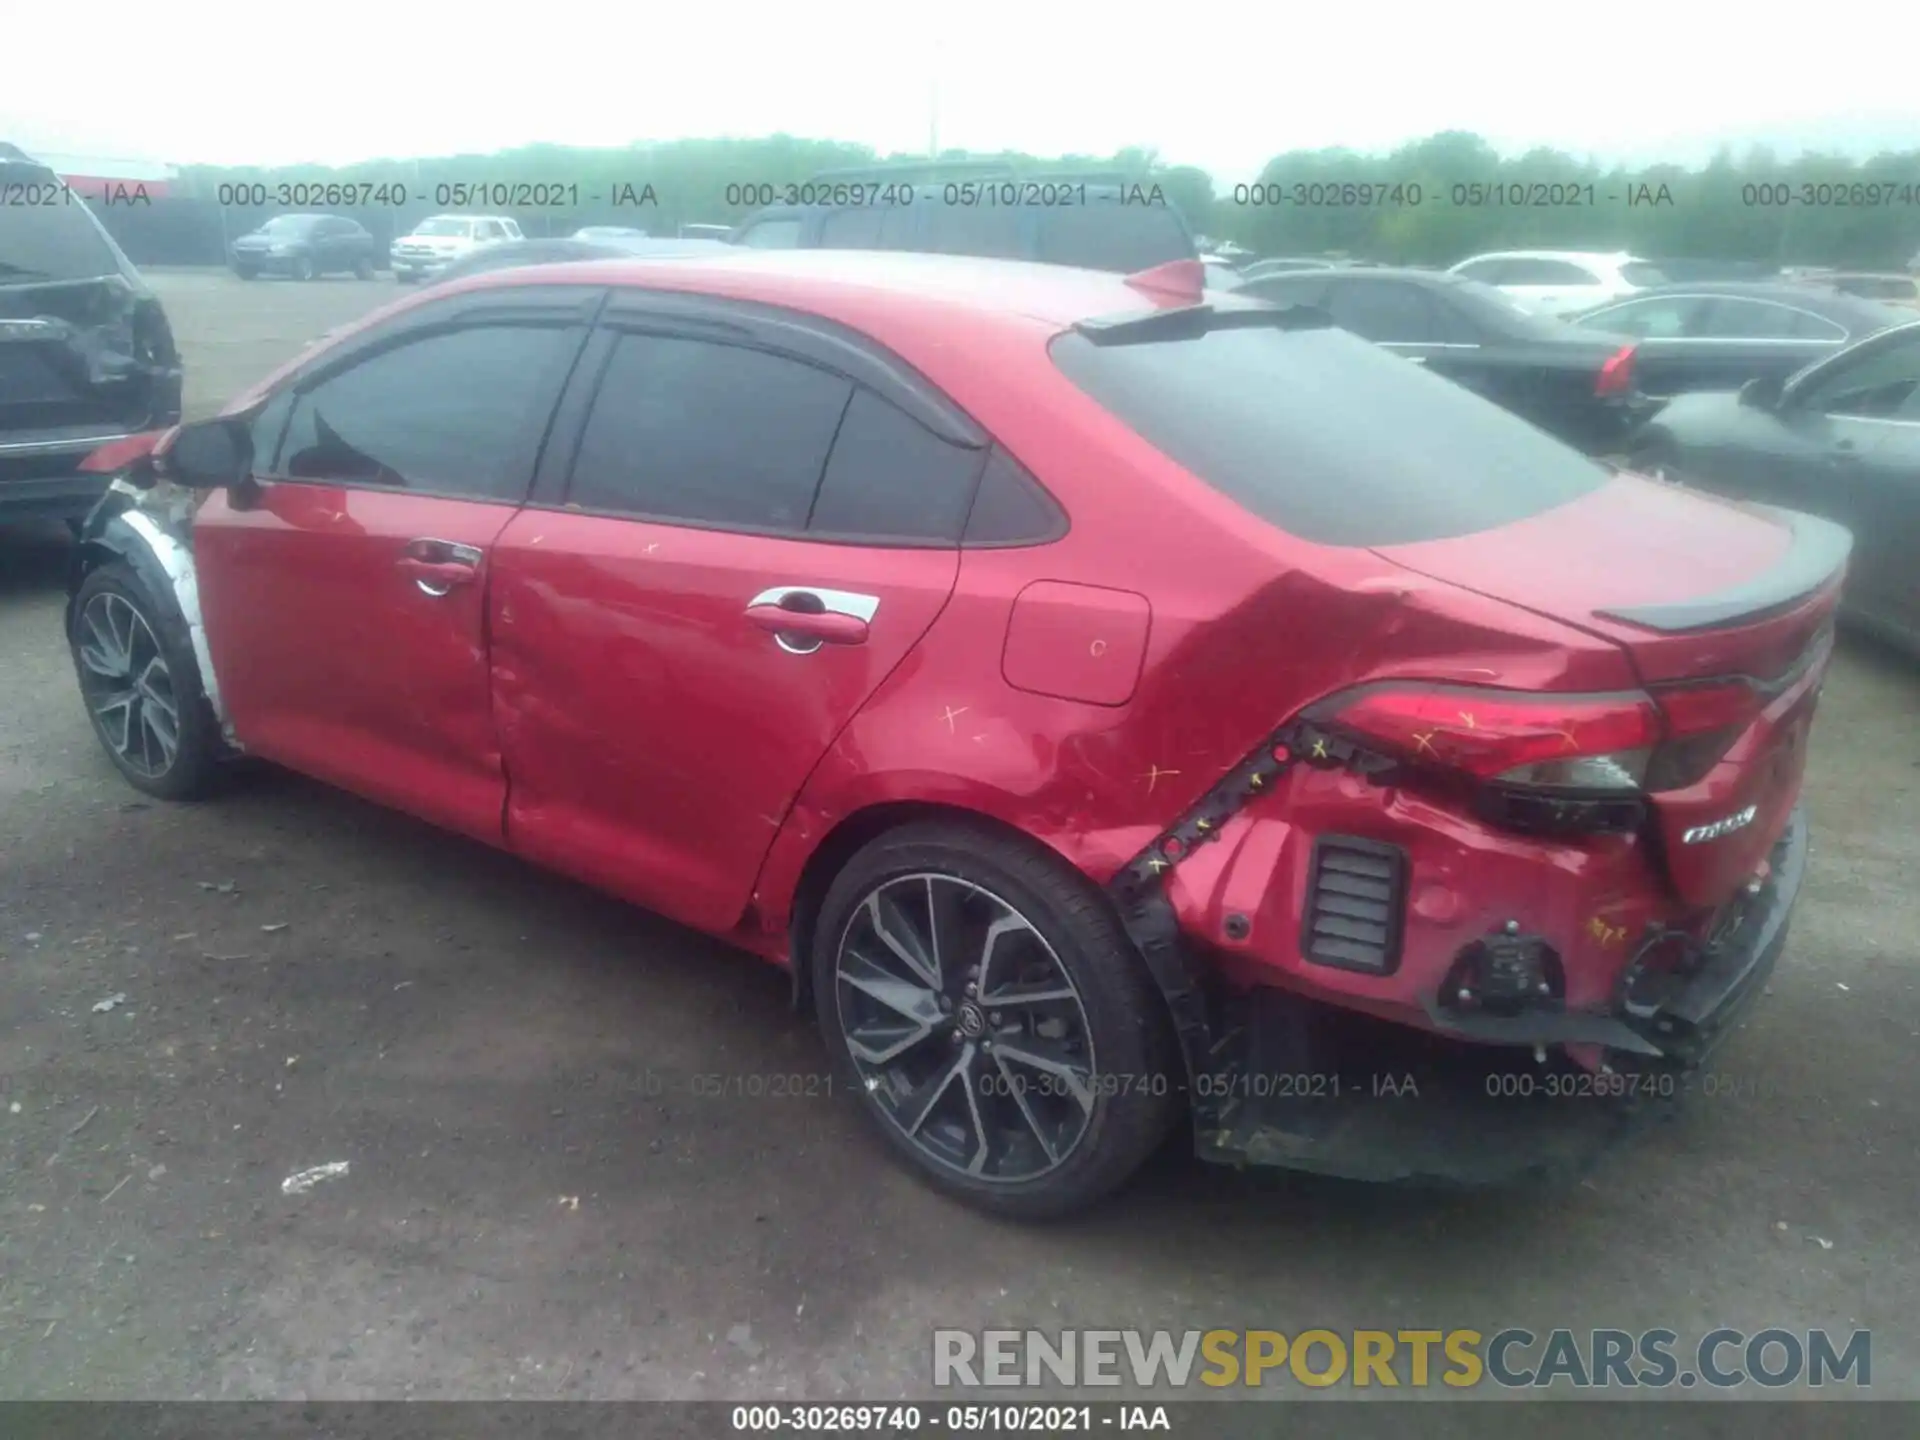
x: 1638, y: 272
x: 1330, y: 438
x: 440, y: 225
x: 48, y: 234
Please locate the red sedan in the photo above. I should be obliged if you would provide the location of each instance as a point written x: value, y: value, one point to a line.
x: 1112, y: 701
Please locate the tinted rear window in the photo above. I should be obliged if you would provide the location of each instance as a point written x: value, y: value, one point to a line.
x: 47, y: 233
x: 1638, y: 272
x: 1103, y: 234
x: 1329, y: 438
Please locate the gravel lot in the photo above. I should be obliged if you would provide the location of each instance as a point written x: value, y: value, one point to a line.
x: 538, y: 1206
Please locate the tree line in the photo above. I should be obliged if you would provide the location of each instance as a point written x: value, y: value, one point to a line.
x: 1429, y: 202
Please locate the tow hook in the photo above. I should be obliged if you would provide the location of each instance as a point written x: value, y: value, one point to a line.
x: 1505, y: 973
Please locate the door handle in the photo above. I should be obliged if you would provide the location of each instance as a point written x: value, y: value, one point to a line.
x: 436, y: 566
x: 802, y: 618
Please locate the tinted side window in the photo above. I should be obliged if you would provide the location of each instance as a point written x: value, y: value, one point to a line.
x: 1382, y: 311
x: 856, y: 229
x: 772, y: 235
x: 988, y: 230
x: 449, y: 414
x: 1011, y: 508
x: 1105, y: 235
x: 889, y: 477
x: 1760, y: 320
x: 713, y: 434
x: 1876, y: 384
x: 1659, y: 319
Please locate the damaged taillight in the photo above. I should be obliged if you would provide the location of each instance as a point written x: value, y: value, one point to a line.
x: 1703, y: 721
x: 129, y: 459
x: 1596, y: 742
x: 1545, y: 762
x: 1616, y: 376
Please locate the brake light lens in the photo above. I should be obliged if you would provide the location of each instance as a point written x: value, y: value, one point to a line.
x: 119, y: 454
x: 1582, y: 742
x: 1703, y: 721
x: 1616, y: 376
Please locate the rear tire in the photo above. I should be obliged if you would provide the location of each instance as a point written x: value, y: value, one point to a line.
x: 1021, y: 1062
x: 141, y: 685
x: 245, y: 272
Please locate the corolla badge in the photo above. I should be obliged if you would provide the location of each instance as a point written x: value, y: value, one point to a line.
x: 1700, y: 834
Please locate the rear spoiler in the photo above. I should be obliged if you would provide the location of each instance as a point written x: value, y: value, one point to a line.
x: 1817, y: 557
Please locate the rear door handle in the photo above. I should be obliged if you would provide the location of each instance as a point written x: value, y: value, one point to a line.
x: 436, y: 566
x: 802, y: 618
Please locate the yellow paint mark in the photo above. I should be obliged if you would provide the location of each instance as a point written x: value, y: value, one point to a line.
x: 1258, y: 781
x: 1152, y: 777
x: 1097, y: 649
x: 1156, y: 864
x: 1201, y: 825
x: 1423, y: 742
x: 1607, y: 935
x: 1320, y: 749
x: 952, y: 715
x: 1468, y: 721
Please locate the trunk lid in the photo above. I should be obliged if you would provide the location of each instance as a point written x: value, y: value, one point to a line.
x: 1693, y: 589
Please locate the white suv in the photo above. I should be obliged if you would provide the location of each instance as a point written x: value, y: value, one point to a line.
x: 439, y: 240
x: 1559, y: 282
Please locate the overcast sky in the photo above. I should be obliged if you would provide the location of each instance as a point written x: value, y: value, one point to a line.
x: 195, y: 81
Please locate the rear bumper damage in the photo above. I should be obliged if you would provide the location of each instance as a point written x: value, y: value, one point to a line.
x: 1482, y: 1094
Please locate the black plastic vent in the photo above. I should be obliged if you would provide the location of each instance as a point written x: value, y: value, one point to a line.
x: 1356, y: 904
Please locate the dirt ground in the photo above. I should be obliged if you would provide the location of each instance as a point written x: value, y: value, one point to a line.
x: 537, y: 1203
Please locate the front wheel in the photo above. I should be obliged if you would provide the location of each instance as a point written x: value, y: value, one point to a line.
x: 980, y: 998
x: 363, y: 269
x: 303, y: 268
x: 142, y: 687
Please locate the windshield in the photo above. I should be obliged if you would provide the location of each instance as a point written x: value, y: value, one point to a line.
x: 1330, y: 438
x: 287, y: 225
x: 54, y: 241
x: 442, y: 225
x: 1638, y: 272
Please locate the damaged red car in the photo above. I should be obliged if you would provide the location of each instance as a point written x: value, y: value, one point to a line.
x: 1118, y: 705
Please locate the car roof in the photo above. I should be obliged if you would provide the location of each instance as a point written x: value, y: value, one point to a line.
x: 1588, y: 257
x: 844, y: 284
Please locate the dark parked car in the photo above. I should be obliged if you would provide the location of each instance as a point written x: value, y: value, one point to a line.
x: 86, y: 354
x: 911, y: 620
x: 1717, y: 337
x: 559, y: 251
x: 305, y: 246
x: 1840, y: 439
x: 1578, y: 384
x: 1096, y: 222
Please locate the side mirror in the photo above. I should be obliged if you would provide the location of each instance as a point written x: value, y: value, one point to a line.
x: 1763, y: 392
x: 209, y: 455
